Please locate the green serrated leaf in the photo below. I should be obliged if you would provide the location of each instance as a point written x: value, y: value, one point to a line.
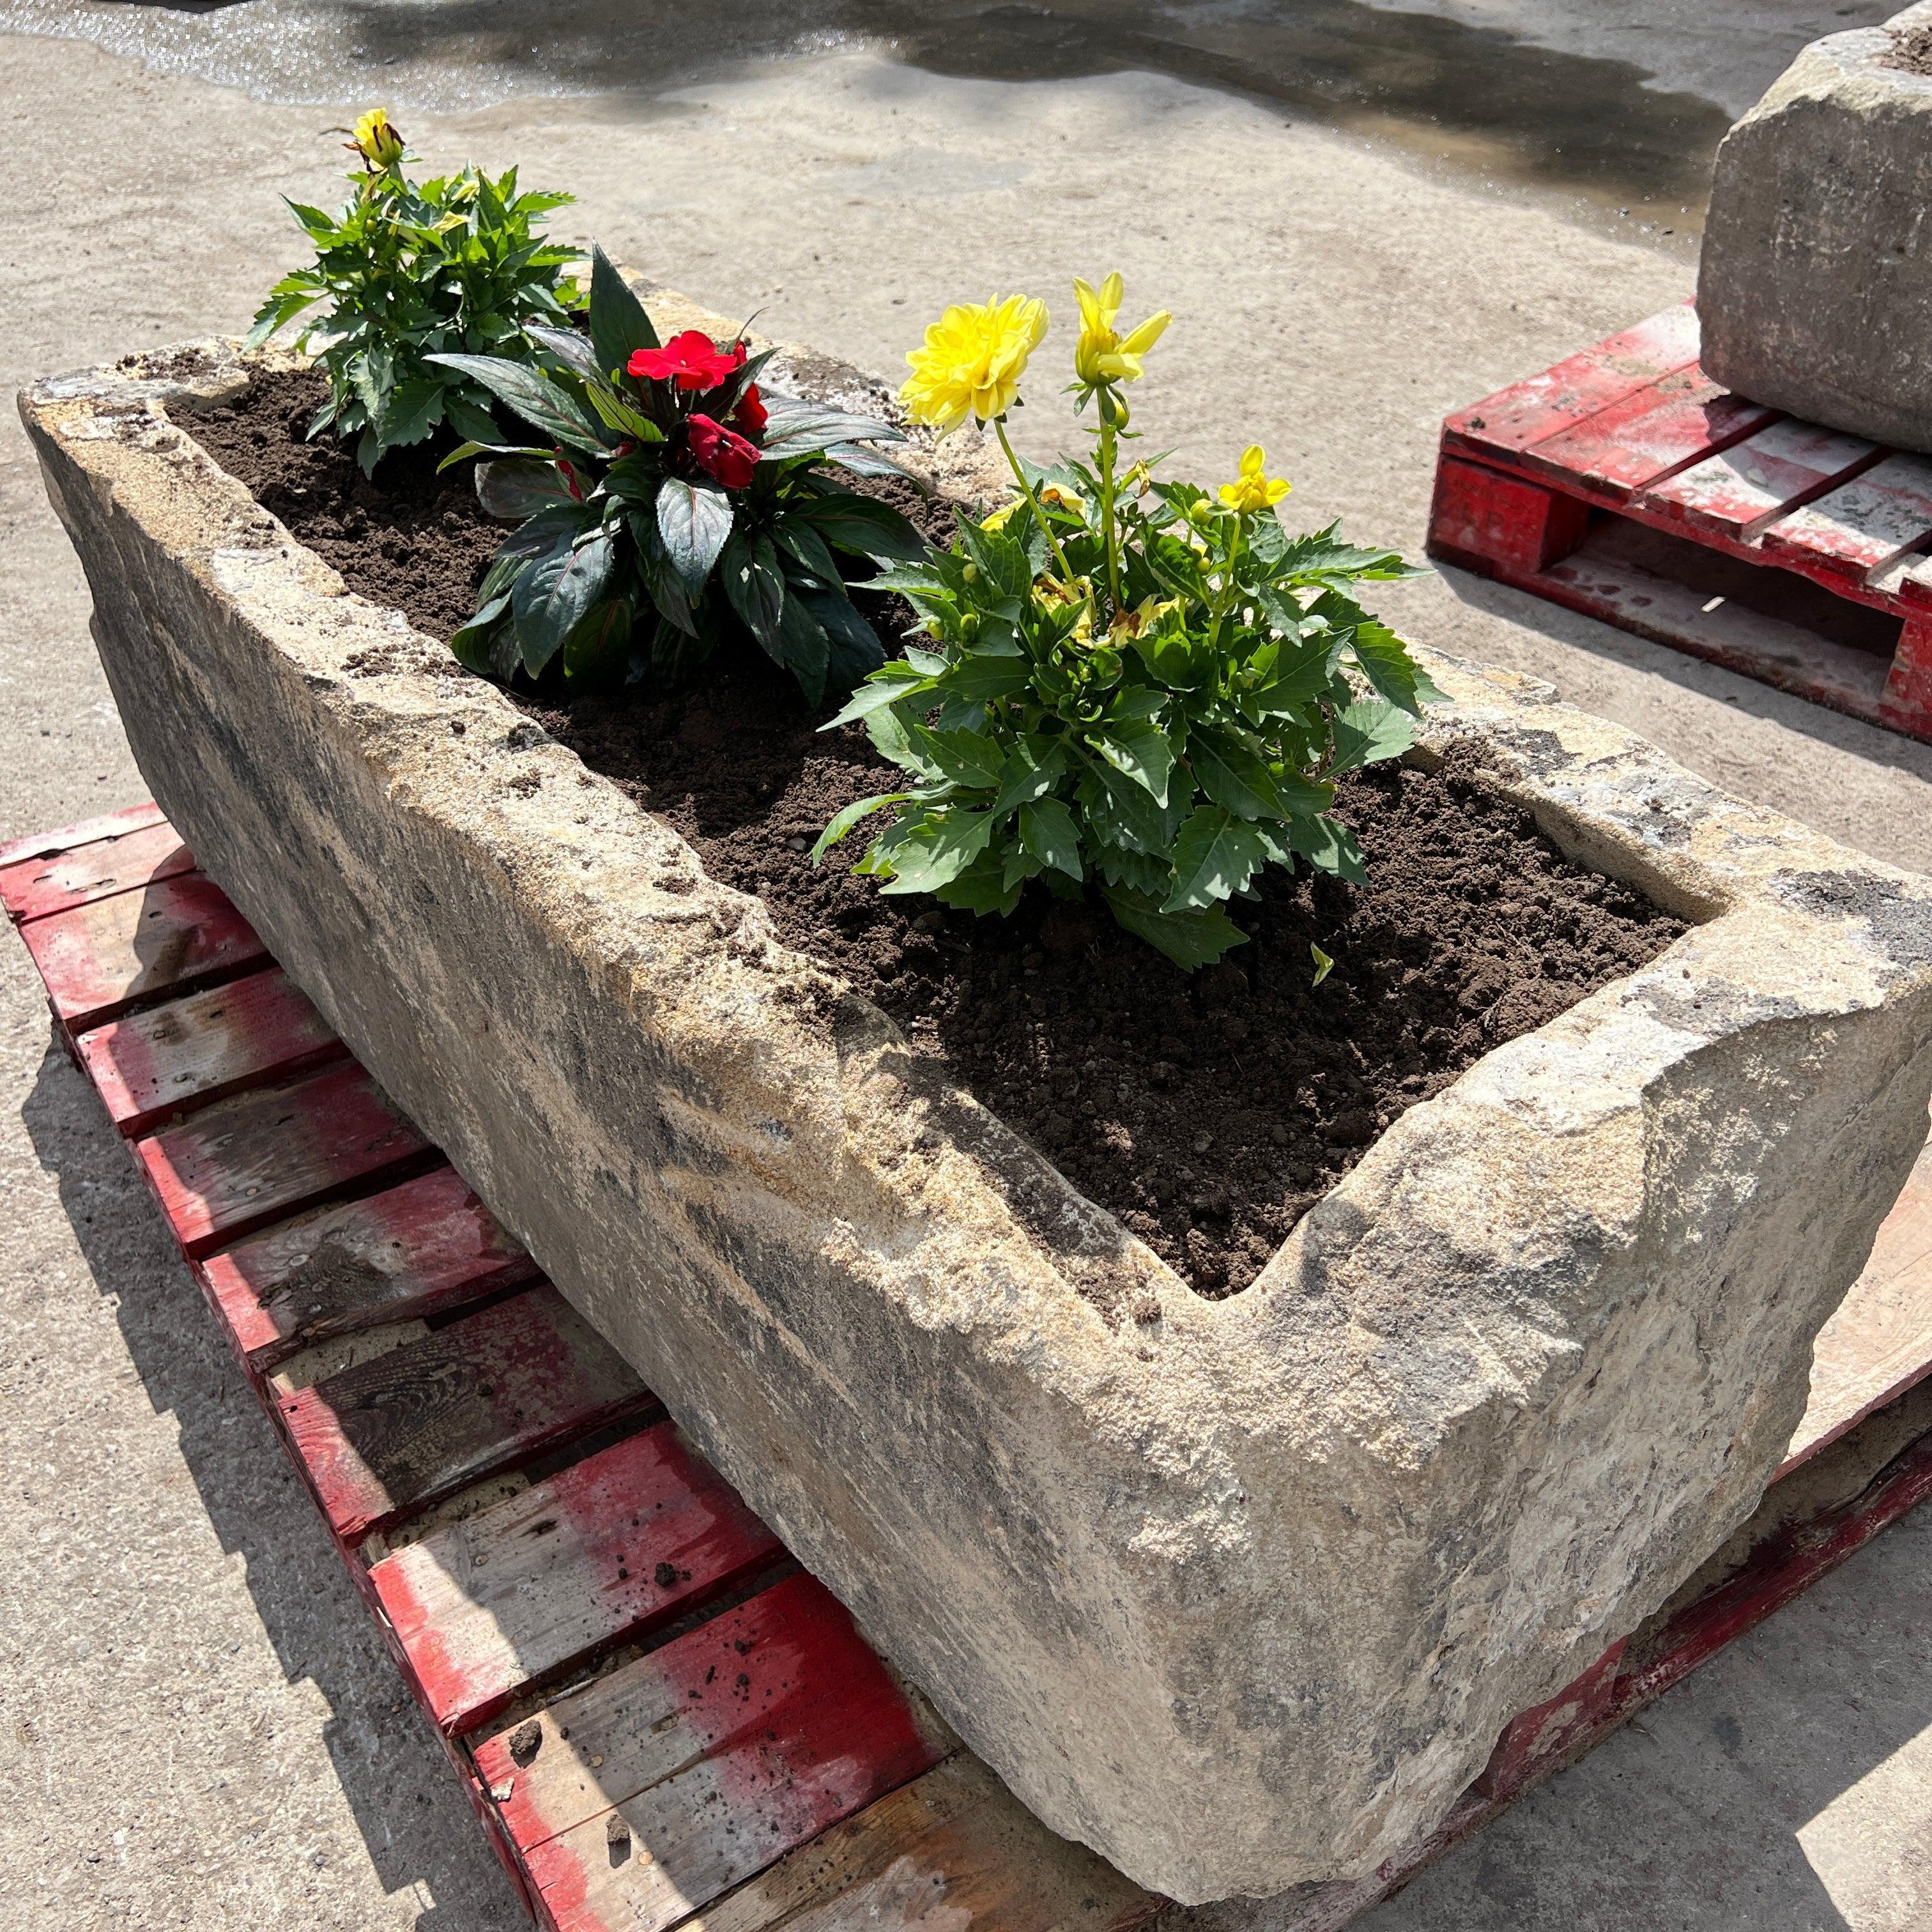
x: 1215, y: 857
x: 541, y: 401
x: 1190, y: 939
x: 552, y: 597
x: 694, y: 519
x: 618, y: 323
x: 1048, y: 831
x: 843, y: 821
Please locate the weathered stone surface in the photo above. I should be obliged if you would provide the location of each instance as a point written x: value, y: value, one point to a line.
x: 1240, y: 1593
x: 1815, y: 279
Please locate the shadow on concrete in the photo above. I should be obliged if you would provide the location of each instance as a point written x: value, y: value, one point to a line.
x: 411, y: 1814
x: 1871, y: 743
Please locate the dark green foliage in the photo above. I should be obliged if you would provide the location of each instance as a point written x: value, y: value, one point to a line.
x: 670, y: 504
x: 1157, y: 741
x: 410, y: 271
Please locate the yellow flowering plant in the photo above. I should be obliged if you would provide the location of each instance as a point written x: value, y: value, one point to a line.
x: 1132, y: 687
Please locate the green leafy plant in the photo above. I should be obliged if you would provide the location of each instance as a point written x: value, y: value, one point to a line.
x: 409, y: 269
x: 1128, y: 686
x: 671, y: 505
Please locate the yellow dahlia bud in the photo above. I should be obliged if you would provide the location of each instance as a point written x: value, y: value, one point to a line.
x: 378, y: 143
x: 972, y: 360
x: 1253, y: 490
x: 1102, y: 354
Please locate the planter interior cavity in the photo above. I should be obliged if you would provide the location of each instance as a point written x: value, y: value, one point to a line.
x: 1238, y: 1591
x: 1208, y: 1112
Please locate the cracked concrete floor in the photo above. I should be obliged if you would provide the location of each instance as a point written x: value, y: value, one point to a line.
x: 197, y: 1724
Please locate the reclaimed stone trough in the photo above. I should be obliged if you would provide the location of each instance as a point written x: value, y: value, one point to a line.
x: 1815, y: 281
x: 1240, y: 1593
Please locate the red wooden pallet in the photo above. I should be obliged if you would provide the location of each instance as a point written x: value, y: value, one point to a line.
x: 660, y: 1721
x: 1625, y: 484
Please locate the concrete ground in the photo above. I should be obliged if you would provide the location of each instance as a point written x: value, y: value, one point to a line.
x: 199, y: 1726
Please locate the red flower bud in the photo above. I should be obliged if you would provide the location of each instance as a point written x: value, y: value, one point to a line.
x: 748, y: 418
x: 721, y: 452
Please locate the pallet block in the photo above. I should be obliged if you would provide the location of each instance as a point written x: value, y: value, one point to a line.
x: 1625, y: 484
x: 661, y: 1723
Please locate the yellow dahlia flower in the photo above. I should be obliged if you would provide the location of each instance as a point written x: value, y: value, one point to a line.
x: 1253, y: 490
x: 972, y: 360
x: 1101, y: 354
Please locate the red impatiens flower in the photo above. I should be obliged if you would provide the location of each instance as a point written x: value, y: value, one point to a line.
x: 723, y: 453
x: 692, y: 360
x: 748, y: 418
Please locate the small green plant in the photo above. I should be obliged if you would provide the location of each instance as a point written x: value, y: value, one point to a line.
x: 409, y: 269
x: 673, y: 505
x: 1128, y: 685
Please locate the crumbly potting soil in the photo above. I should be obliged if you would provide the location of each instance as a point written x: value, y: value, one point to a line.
x: 1209, y: 1111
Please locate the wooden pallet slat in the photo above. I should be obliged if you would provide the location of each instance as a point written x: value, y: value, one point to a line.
x: 241, y: 1163
x: 1734, y: 493
x: 384, y: 1439
x: 419, y: 1249
x: 1855, y: 530
x: 59, y: 881
x: 101, y: 958
x: 652, y: 1791
x: 88, y: 832
x: 954, y: 1848
x: 153, y: 1064
x: 1677, y: 421
x: 603, y: 1552
x: 1506, y: 423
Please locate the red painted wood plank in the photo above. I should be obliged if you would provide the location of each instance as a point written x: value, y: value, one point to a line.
x: 611, y: 1548
x: 420, y: 1249
x: 1907, y: 704
x: 1483, y: 518
x: 1671, y: 424
x: 381, y: 1440
x: 170, y: 1059
x: 65, y: 837
x: 36, y: 886
x: 1508, y: 422
x: 1735, y: 494
x: 652, y: 1791
x: 1858, y: 528
x: 241, y: 1163
x: 101, y: 958
x: 1548, y: 1732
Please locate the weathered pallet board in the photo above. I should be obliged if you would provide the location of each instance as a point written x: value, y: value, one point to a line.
x: 1735, y: 493
x: 59, y: 881
x: 153, y: 1065
x: 603, y: 1552
x: 101, y: 958
x: 651, y: 1792
x: 1526, y: 413
x: 735, y: 1765
x: 76, y: 838
x: 242, y: 1163
x: 1530, y: 480
x: 385, y: 1437
x: 418, y: 1249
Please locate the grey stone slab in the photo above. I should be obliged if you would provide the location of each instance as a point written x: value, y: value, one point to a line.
x: 1815, y: 287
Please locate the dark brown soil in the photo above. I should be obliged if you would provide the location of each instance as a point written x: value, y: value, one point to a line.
x: 1912, y: 50
x: 1208, y: 1112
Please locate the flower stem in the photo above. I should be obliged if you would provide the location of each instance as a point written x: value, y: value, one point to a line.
x: 1026, y: 490
x: 1111, y: 535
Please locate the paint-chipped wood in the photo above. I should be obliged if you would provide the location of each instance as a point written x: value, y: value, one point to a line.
x: 1855, y: 530
x: 1676, y: 422
x: 603, y: 1552
x: 421, y: 1248
x: 59, y: 881
x: 101, y: 958
x: 70, y: 837
x: 244, y: 1163
x: 953, y: 1851
x: 1736, y: 493
x: 482, y: 1394
x: 653, y: 1791
x: 1506, y: 423
x: 170, y: 1059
